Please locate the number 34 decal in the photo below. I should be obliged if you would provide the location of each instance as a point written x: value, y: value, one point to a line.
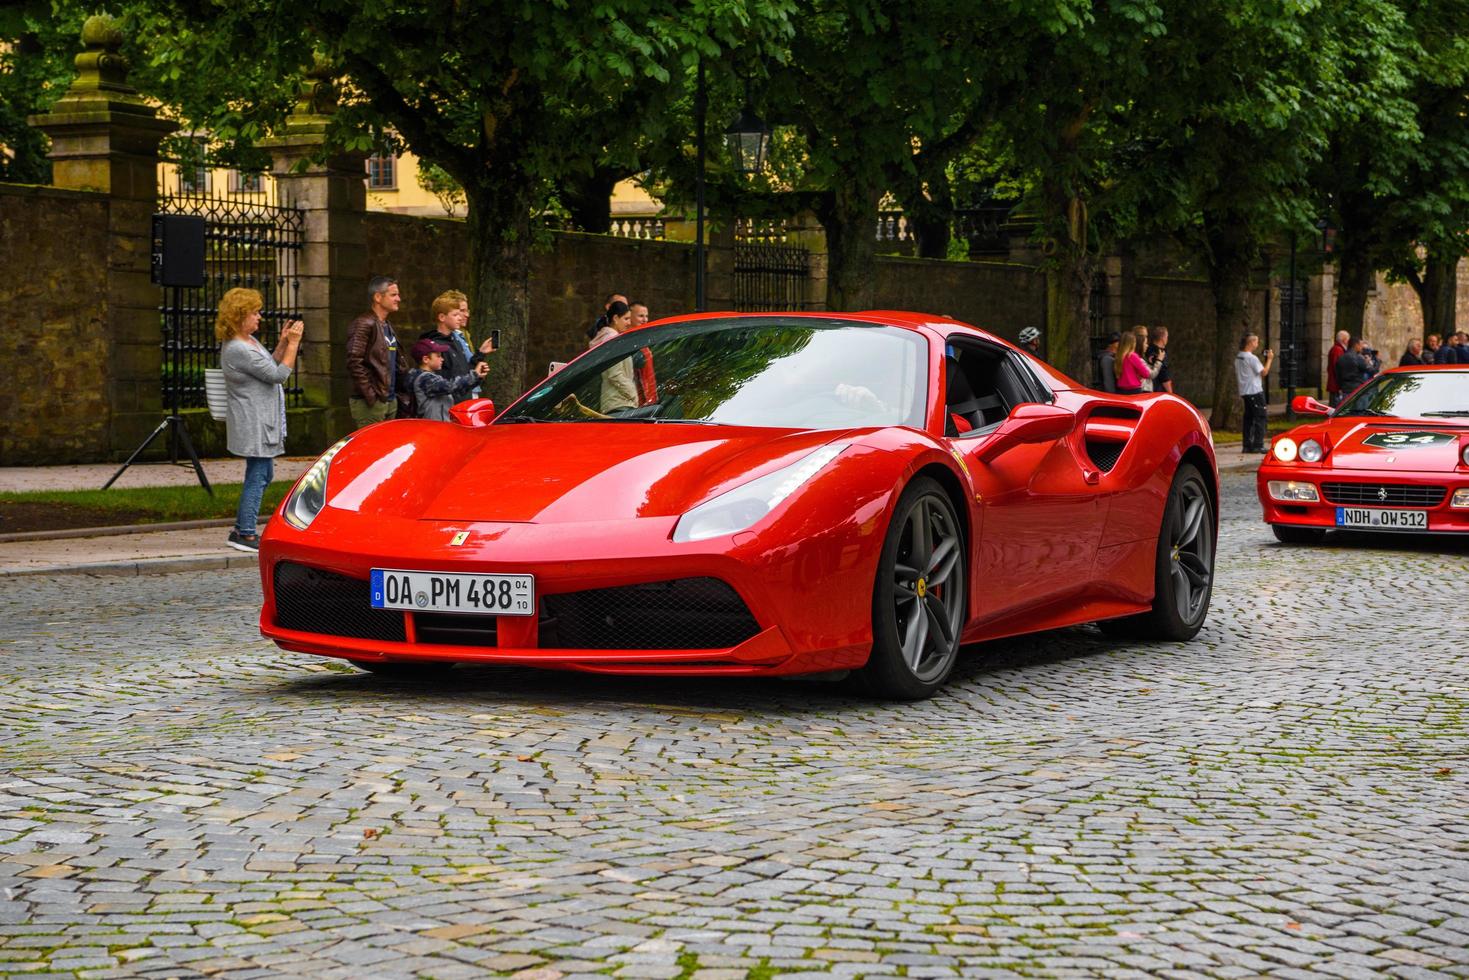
x: 1407, y: 440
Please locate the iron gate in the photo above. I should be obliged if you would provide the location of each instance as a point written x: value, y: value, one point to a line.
x: 769, y: 274
x: 250, y: 240
x: 1293, y: 298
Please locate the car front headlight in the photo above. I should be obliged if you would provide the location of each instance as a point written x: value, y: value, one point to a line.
x: 309, y: 497
x: 1284, y: 449
x: 1461, y: 498
x: 1300, y: 493
x: 734, y: 510
x: 1312, y: 451
x: 1465, y: 454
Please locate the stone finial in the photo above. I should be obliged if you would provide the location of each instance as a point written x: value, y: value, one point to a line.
x: 101, y: 66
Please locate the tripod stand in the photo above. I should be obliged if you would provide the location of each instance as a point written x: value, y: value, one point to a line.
x: 177, y: 431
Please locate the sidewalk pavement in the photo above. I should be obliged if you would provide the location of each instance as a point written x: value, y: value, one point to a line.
x: 137, y: 550
x: 155, y: 549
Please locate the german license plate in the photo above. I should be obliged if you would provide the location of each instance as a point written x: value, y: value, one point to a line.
x: 492, y: 595
x: 1382, y: 520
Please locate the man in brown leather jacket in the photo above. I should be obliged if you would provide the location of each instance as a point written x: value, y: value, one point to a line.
x: 374, y: 363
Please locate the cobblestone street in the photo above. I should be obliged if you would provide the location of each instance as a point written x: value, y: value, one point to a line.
x: 1288, y: 795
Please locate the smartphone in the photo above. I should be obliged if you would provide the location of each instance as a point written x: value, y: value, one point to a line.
x: 495, y: 339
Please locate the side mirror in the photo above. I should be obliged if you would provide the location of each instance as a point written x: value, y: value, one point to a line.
x: 1027, y: 424
x: 1306, y: 405
x: 475, y: 413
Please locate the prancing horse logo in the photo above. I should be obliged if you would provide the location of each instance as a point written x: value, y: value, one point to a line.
x: 1382, y: 493
x: 460, y: 538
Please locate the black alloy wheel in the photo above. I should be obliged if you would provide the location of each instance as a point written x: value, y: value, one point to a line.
x: 919, y: 597
x: 1183, y: 577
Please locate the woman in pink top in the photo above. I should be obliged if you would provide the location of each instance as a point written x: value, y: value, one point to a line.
x: 1132, y: 370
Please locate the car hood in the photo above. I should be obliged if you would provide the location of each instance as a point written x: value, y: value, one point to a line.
x: 555, y: 472
x: 1376, y: 444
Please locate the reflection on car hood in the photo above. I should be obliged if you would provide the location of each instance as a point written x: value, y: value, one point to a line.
x: 1374, y: 443
x: 565, y: 472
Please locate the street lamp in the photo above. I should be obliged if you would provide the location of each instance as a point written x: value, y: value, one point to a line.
x: 748, y: 139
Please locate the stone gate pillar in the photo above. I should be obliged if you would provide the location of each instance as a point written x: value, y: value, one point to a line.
x: 330, y: 188
x: 104, y: 138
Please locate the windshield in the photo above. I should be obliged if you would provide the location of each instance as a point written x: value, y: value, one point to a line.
x: 769, y: 372
x: 1418, y: 394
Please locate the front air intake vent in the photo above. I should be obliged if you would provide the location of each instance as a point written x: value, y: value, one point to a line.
x: 314, y: 601
x: 681, y: 614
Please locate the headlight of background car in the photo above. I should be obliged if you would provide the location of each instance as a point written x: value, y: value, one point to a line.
x: 1285, y: 449
x: 309, y: 497
x: 1312, y: 451
x: 1465, y: 454
x: 734, y: 510
x: 1303, y: 493
x: 1461, y: 498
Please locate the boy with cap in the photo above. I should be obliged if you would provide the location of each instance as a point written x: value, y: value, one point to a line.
x: 434, y: 393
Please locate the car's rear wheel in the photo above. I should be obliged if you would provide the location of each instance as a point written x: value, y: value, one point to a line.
x: 1298, y: 535
x: 405, y: 670
x: 1183, y: 575
x: 918, y: 599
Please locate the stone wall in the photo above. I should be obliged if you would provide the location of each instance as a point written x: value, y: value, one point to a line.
x: 1001, y: 297
x: 54, y: 335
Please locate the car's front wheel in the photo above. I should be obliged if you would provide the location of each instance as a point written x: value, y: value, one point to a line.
x: 1297, y: 535
x: 918, y: 600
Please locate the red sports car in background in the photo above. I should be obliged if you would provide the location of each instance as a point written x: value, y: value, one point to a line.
x: 1393, y: 456
x: 753, y: 494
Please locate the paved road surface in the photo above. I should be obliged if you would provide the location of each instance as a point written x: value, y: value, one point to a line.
x: 1288, y: 795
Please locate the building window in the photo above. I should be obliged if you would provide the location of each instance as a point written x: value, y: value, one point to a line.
x: 248, y: 183
x: 193, y: 180
x: 382, y: 171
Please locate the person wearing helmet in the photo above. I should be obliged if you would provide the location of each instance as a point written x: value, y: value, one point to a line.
x: 1030, y: 342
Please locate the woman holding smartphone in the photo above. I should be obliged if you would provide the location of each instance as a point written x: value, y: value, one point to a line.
x: 255, y: 420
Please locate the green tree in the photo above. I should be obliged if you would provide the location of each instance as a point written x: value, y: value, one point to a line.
x: 488, y: 93
x: 435, y: 180
x: 37, y: 51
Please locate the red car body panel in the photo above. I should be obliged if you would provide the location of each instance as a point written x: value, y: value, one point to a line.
x: 1350, y: 459
x: 1054, y: 538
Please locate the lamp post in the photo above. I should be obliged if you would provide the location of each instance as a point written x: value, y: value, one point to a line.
x: 748, y: 140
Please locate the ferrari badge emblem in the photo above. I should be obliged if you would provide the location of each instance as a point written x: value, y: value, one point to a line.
x: 460, y: 538
x: 922, y: 588
x: 1382, y: 493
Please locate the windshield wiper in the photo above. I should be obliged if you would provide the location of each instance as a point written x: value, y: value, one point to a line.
x: 1362, y: 411
x: 1455, y: 412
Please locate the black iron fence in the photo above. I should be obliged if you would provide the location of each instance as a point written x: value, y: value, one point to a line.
x: 770, y: 277
x: 250, y: 240
x: 1293, y: 346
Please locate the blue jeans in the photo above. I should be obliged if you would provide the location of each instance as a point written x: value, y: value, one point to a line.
x: 259, y: 471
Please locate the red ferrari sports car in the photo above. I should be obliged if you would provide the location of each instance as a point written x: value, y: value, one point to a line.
x: 753, y: 494
x: 1393, y: 456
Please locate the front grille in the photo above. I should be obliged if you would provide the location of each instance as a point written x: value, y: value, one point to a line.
x: 1104, y: 454
x: 314, y: 601
x: 682, y: 614
x: 1384, y: 494
x: 455, y: 629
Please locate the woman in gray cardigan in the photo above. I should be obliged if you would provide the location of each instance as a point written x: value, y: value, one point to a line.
x: 255, y: 421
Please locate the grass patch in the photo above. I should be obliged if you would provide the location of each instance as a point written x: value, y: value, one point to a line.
x: 1273, y: 427
x: 49, y: 510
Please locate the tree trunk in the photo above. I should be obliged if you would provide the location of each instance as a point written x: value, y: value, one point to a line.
x: 1355, y: 276
x: 1232, y: 250
x: 588, y: 197
x: 929, y: 207
x: 849, y: 216
x: 499, y: 222
x: 1438, y: 292
x: 1067, y: 341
